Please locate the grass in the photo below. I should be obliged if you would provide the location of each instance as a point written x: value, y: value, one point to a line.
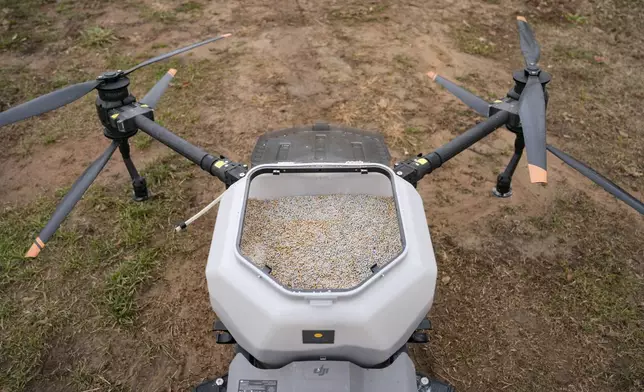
x: 22, y: 332
x: 97, y: 37
x: 141, y: 141
x: 601, y: 291
x: 547, y: 298
x: 32, y: 25
x: 26, y: 28
x: 413, y: 130
x: 122, y: 253
x: 123, y: 283
x: 49, y: 139
x: 161, y: 16
x: 583, y: 287
x: 576, y: 19
x: 470, y: 40
x: 181, y: 12
x: 189, y: 6
x: 573, y: 53
x: 360, y: 13
x: 404, y: 61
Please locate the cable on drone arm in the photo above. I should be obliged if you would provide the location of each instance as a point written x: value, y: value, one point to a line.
x: 413, y: 170
x: 224, y: 169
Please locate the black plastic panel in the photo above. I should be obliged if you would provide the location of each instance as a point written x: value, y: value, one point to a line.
x: 318, y: 337
x: 320, y: 143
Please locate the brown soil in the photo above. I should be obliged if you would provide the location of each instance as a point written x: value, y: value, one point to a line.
x: 363, y: 64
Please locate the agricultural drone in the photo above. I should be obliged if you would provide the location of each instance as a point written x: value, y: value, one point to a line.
x: 337, y: 338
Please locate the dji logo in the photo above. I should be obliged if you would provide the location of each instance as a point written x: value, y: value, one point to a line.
x: 321, y: 371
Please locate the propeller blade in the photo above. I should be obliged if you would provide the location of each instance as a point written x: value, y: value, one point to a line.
x: 175, y: 52
x: 529, y: 45
x: 598, y: 179
x: 70, y: 200
x: 46, y: 103
x: 478, y: 104
x: 532, y: 111
x: 154, y: 95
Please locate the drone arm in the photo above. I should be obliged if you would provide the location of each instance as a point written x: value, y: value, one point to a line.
x: 225, y: 170
x: 413, y: 170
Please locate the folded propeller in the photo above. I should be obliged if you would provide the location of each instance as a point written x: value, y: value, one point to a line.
x: 527, y: 103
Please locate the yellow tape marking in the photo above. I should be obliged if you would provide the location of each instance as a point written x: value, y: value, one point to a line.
x: 421, y: 161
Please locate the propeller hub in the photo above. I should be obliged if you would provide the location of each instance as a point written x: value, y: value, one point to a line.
x: 532, y: 70
x: 110, y: 76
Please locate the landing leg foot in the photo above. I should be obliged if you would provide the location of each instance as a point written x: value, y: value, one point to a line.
x: 140, y: 189
x: 503, y: 186
x: 138, y: 183
x: 497, y: 193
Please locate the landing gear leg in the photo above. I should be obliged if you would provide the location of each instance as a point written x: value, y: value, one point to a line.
x: 138, y: 182
x: 503, y: 186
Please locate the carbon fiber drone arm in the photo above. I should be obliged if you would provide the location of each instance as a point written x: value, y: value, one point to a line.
x: 413, y: 170
x: 224, y: 169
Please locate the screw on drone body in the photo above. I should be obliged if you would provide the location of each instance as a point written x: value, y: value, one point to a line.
x: 424, y: 381
x: 219, y: 382
x: 242, y: 174
x: 399, y: 173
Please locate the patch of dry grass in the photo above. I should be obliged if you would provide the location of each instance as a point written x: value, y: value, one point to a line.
x: 356, y: 12
x: 506, y: 297
x: 547, y: 299
x: 97, y: 37
x: 470, y: 40
x: 108, y: 239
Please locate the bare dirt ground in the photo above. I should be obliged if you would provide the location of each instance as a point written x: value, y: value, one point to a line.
x: 540, y: 291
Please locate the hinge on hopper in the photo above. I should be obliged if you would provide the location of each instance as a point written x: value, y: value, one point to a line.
x: 223, y: 336
x: 419, y: 336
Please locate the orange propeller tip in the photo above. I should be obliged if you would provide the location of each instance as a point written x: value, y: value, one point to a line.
x: 432, y: 75
x: 33, y: 251
x: 227, y: 35
x: 172, y: 71
x: 537, y: 174
x: 521, y: 18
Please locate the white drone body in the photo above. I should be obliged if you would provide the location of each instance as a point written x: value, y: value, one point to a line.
x: 364, y: 325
